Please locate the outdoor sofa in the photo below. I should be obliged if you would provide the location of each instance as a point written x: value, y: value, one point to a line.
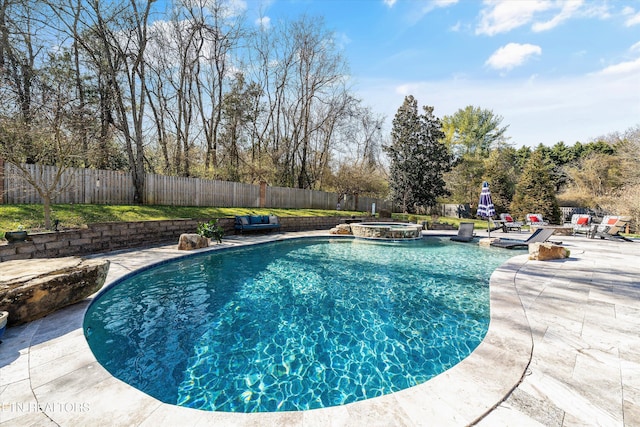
x: 256, y: 223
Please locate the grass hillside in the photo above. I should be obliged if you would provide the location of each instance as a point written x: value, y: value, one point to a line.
x: 31, y: 217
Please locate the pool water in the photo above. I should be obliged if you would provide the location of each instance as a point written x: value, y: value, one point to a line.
x: 294, y: 325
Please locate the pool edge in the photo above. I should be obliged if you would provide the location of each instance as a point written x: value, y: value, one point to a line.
x: 460, y: 396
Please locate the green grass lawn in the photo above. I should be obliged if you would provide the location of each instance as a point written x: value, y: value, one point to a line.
x: 31, y: 217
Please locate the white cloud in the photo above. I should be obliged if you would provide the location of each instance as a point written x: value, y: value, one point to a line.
x: 263, y: 22
x: 404, y: 89
x: 390, y: 3
x: 537, y: 110
x: 422, y: 8
x: 444, y: 3
x: 500, y: 16
x: 342, y: 40
x: 628, y: 67
x: 435, y: 4
x: 512, y: 55
x: 635, y: 47
x: 237, y: 7
x: 633, y: 20
x: 569, y: 9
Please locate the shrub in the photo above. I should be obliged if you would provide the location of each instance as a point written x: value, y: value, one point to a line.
x: 211, y: 230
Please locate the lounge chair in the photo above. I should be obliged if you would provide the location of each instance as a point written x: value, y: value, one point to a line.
x: 509, y: 224
x: 610, y: 228
x: 495, y: 224
x: 541, y: 235
x: 536, y: 220
x: 465, y: 232
x: 581, y: 223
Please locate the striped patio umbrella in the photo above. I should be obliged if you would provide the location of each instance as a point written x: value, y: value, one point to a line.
x: 485, y: 206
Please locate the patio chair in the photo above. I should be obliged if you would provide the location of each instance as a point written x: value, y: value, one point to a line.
x: 495, y: 224
x: 536, y: 220
x: 541, y: 235
x: 610, y: 228
x: 581, y: 223
x: 465, y: 232
x: 509, y: 224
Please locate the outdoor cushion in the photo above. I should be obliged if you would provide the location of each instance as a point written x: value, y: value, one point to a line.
x: 582, y: 221
x: 612, y: 220
x: 536, y: 218
x: 508, y: 218
x: 256, y: 222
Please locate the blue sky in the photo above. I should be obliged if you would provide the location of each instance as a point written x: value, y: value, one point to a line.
x: 554, y: 70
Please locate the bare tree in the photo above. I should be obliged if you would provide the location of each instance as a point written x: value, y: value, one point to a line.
x: 38, y: 116
x: 302, y: 78
x: 122, y: 33
x: 189, y: 60
x: 237, y: 117
x: 272, y: 55
x: 20, y: 29
x: 221, y: 38
x: 190, y: 95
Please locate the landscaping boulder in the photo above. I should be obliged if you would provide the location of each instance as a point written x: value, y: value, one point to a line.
x: 189, y: 242
x: 547, y: 251
x: 33, y: 288
x: 341, y: 229
x: 486, y: 242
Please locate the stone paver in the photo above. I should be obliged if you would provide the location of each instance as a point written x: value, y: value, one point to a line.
x: 562, y: 349
x: 584, y: 314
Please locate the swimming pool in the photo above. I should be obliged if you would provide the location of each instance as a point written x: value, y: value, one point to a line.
x: 294, y: 325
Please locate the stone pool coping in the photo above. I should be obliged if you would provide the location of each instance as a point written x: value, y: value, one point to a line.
x: 49, y: 374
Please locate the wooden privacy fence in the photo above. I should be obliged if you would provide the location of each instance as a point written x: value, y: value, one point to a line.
x: 94, y: 186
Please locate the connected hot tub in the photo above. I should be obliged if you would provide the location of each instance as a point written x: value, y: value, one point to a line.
x: 387, y: 230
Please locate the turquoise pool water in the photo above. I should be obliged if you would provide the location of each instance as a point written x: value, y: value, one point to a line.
x: 294, y: 325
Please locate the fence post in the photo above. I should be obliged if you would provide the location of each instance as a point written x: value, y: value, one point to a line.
x: 1, y: 181
x: 263, y: 194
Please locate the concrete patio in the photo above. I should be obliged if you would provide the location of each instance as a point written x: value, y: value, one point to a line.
x: 563, y: 349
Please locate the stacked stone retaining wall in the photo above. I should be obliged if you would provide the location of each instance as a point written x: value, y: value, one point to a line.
x: 105, y: 237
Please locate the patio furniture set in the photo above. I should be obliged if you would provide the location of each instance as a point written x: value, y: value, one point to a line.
x: 609, y: 228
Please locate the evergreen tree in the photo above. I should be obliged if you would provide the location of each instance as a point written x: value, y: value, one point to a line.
x: 418, y: 157
x: 465, y: 179
x: 500, y: 172
x: 522, y: 157
x: 553, y: 159
x: 535, y: 191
